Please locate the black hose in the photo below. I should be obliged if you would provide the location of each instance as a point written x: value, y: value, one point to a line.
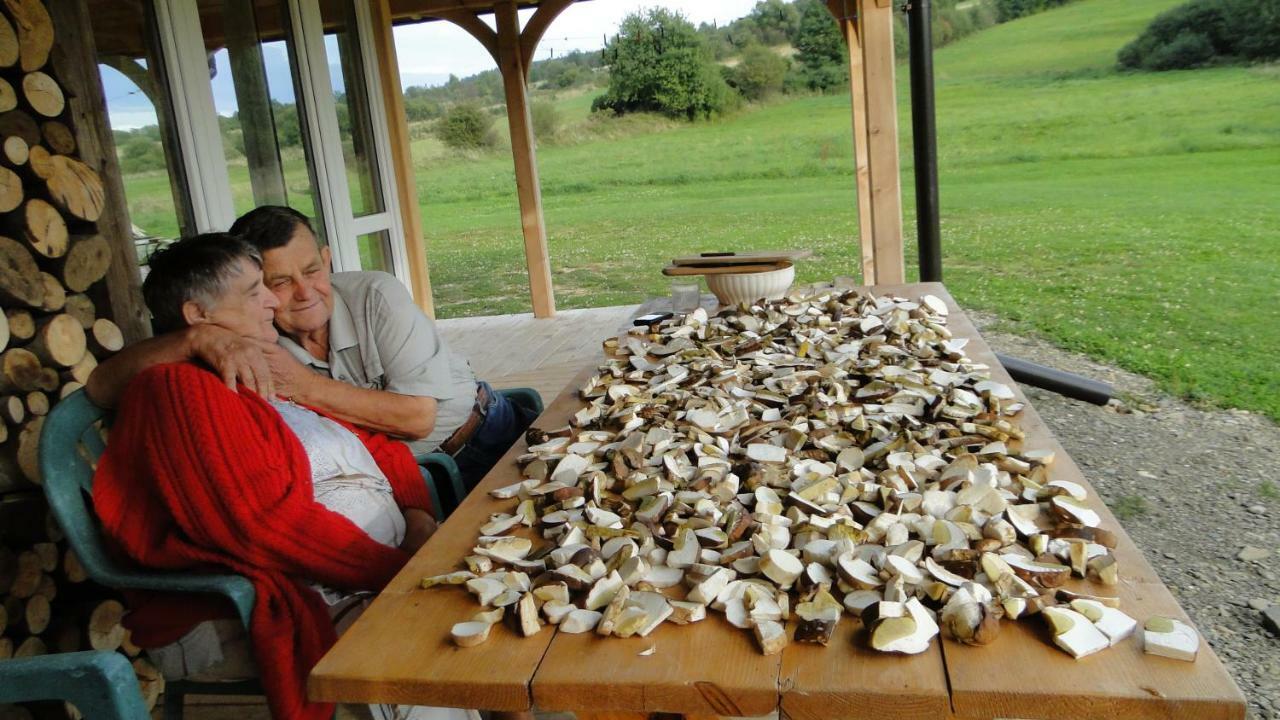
x: 1053, y: 380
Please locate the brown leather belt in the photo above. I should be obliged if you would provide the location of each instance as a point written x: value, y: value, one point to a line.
x: 469, y: 426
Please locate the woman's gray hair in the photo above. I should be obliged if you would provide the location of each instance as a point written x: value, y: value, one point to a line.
x: 192, y: 269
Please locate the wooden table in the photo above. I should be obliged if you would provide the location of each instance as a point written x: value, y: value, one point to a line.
x: 400, y: 651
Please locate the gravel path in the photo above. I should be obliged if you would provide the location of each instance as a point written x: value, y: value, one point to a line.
x: 1198, y: 490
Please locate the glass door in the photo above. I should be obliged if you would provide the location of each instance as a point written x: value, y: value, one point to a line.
x: 280, y: 105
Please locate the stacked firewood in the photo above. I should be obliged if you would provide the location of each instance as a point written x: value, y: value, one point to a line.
x: 52, y: 262
x: 48, y: 604
x: 51, y: 254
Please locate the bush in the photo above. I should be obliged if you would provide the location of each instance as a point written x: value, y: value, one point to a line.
x: 659, y: 63
x: 466, y: 127
x: 1007, y: 10
x: 141, y: 154
x: 1203, y: 32
x: 1188, y: 50
x: 758, y: 74
x: 546, y: 120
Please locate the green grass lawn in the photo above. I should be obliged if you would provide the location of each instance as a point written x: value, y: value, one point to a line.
x: 1130, y: 216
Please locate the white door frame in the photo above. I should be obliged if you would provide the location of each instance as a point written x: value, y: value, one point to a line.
x: 200, y: 138
x: 196, y: 120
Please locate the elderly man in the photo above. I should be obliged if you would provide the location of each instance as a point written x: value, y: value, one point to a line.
x: 352, y: 345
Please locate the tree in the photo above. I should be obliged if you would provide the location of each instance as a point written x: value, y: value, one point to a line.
x: 659, y: 63
x: 821, y: 53
x: 759, y: 73
x: 774, y: 21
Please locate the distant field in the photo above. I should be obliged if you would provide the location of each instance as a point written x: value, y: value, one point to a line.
x: 1133, y: 217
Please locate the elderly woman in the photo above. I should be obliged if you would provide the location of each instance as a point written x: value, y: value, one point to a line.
x: 197, y: 475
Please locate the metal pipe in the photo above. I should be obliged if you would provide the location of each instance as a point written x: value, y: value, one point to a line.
x: 1063, y: 383
x: 924, y: 132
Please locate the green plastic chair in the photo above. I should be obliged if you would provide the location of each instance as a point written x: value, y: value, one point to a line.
x: 70, y: 446
x: 443, y: 466
x: 99, y: 683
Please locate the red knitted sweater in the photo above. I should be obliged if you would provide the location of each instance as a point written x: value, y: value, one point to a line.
x: 198, y: 476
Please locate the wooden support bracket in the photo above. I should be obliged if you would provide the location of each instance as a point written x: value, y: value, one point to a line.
x: 513, y: 51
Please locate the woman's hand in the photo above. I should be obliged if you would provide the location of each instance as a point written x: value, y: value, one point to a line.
x: 418, y: 527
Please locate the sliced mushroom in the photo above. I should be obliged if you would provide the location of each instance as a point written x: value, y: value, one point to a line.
x: 1074, y: 633
x: 470, y: 634
x: 1171, y: 638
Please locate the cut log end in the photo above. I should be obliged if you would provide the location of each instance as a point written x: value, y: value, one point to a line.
x: 35, y: 32
x: 43, y: 94
x: 59, y: 341
x: 44, y: 228
x: 105, y: 630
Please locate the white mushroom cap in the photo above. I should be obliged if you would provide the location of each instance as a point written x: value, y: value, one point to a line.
x: 1171, y: 638
x: 1074, y: 633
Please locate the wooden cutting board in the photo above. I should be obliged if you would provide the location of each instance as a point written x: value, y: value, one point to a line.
x: 746, y: 258
x: 723, y: 269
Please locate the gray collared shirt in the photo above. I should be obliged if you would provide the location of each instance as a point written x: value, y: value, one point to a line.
x: 379, y: 339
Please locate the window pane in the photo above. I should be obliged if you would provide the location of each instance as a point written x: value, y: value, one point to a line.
x: 351, y: 96
x: 375, y: 251
x: 254, y: 80
x: 141, y: 120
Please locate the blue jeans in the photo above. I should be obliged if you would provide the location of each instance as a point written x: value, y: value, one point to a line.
x: 502, y: 426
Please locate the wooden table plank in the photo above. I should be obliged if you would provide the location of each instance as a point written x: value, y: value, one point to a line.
x: 1024, y: 675
x: 849, y: 680
x: 400, y: 651
x: 707, y: 668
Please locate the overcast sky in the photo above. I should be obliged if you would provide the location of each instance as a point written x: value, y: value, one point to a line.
x: 429, y: 51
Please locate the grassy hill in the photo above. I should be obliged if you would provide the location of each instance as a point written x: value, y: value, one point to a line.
x: 1129, y: 216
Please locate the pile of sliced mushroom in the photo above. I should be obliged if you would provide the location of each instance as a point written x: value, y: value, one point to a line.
x: 825, y: 455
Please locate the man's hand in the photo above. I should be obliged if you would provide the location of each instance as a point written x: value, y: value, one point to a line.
x: 418, y: 527
x: 292, y: 379
x: 234, y: 358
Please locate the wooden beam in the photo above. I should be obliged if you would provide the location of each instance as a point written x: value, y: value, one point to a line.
x: 401, y: 157
x: 536, y: 27
x: 847, y: 17
x: 875, y: 30
x: 511, y: 65
x: 75, y: 62
x: 261, y: 150
x: 432, y: 8
x: 469, y: 21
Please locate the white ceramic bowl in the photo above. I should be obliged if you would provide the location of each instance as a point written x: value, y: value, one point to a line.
x: 734, y: 288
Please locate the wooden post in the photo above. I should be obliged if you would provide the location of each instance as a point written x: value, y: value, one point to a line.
x: 75, y: 62
x: 401, y: 157
x: 868, y: 30
x: 244, y: 53
x: 511, y: 64
x: 847, y: 16
x: 875, y: 23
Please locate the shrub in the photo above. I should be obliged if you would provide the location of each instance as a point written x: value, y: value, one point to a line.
x: 1007, y: 10
x: 546, y: 120
x: 659, y: 63
x: 466, y: 126
x: 758, y: 74
x: 141, y: 154
x: 1188, y: 50
x: 1202, y: 32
